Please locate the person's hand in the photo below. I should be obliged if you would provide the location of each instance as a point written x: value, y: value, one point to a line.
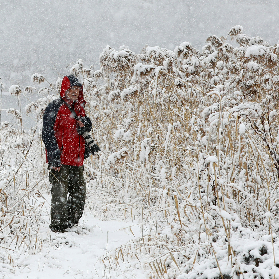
x: 80, y: 123
x: 56, y: 168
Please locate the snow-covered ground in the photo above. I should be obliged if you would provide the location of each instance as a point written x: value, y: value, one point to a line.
x: 77, y: 253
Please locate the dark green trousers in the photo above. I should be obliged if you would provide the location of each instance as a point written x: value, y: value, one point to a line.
x: 68, y: 196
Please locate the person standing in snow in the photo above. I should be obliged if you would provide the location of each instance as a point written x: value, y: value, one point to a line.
x: 65, y: 150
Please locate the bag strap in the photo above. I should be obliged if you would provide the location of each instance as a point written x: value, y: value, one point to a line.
x: 71, y: 109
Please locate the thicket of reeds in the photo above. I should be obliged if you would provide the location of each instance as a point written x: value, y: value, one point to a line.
x: 189, y: 144
x: 190, y: 147
x: 24, y: 182
x: 21, y: 200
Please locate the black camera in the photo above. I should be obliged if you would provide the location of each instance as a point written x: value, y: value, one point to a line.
x: 90, y: 146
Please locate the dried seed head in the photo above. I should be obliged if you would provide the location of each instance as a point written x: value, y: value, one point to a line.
x: 236, y: 30
x: 77, y: 68
x: 29, y: 89
x: 15, y: 112
x: 215, y: 41
x: 242, y: 39
x: 15, y: 90
x: 38, y: 78
x: 43, y: 91
x: 98, y: 74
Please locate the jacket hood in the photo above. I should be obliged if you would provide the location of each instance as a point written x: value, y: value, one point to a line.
x: 67, y: 83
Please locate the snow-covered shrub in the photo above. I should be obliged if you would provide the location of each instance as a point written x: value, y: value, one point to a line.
x: 15, y: 90
x: 201, y: 165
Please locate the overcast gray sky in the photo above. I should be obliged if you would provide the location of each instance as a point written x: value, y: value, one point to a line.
x: 48, y: 35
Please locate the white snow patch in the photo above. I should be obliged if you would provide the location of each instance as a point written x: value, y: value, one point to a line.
x: 116, y: 156
x: 255, y: 50
x: 14, y: 90
x: 242, y: 128
x: 212, y: 159
x: 145, y: 150
x: 253, y: 66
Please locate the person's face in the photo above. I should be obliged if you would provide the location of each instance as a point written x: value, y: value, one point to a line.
x: 72, y: 93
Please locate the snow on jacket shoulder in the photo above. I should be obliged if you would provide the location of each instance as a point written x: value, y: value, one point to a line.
x: 64, y: 146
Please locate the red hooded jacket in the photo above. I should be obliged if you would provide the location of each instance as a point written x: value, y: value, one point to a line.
x: 64, y: 146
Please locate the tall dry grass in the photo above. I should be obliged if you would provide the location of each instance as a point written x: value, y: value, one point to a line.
x: 21, y: 199
x: 189, y: 142
x: 189, y: 145
x: 24, y: 182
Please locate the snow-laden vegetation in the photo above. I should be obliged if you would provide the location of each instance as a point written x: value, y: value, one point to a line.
x: 189, y: 144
